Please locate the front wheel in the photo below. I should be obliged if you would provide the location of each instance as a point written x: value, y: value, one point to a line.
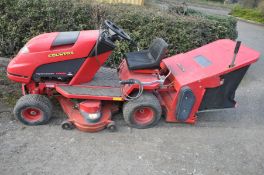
x: 143, y: 112
x: 33, y: 109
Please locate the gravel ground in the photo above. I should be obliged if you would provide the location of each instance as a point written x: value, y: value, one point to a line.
x: 224, y: 142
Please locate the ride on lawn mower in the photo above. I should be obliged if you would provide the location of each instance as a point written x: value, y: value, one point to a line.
x: 67, y: 65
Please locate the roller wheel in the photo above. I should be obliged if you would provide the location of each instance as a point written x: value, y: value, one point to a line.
x: 33, y: 109
x: 112, y: 127
x: 143, y: 112
x: 67, y: 125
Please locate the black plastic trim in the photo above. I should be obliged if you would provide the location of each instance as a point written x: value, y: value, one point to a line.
x: 17, y: 75
x: 104, y: 45
x: 223, y: 96
x: 65, y: 38
x: 185, y: 104
x: 66, y: 68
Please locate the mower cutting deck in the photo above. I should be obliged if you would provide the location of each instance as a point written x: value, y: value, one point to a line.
x: 145, y: 84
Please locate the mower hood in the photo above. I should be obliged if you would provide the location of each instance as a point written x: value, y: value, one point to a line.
x: 40, y: 43
x: 52, y: 41
x: 50, y: 48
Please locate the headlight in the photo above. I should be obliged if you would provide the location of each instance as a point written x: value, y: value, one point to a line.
x: 94, y: 116
x: 91, y: 117
x: 24, y: 50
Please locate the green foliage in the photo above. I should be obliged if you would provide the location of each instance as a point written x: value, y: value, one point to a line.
x: 22, y: 19
x: 250, y: 3
x: 222, y: 1
x: 182, y: 9
x: 249, y: 14
x: 9, y: 91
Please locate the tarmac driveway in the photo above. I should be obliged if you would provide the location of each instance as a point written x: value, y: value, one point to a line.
x: 223, y: 142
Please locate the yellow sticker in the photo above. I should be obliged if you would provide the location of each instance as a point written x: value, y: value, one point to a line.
x: 60, y: 54
x: 117, y: 99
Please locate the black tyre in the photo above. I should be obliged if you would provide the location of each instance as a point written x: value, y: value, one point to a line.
x: 112, y: 127
x: 67, y: 125
x: 143, y: 112
x: 33, y: 109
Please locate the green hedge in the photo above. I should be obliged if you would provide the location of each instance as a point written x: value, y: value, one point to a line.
x: 20, y: 20
x: 222, y: 1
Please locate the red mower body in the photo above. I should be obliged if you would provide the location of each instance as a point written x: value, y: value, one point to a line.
x: 67, y: 58
x: 67, y: 65
x: 206, y: 72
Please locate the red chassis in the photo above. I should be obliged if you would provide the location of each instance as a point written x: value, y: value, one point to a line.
x: 66, y: 65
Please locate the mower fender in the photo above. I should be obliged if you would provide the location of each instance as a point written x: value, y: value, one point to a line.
x: 185, y: 104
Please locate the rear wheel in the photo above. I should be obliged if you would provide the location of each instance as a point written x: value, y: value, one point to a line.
x: 143, y: 112
x: 33, y: 109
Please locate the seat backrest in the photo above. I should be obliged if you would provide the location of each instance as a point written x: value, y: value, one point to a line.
x: 158, y: 49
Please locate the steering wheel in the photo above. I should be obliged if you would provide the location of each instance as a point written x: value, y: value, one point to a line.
x: 120, y: 32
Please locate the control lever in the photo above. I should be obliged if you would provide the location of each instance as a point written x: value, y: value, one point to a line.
x: 129, y: 81
x: 238, y: 43
x: 134, y: 81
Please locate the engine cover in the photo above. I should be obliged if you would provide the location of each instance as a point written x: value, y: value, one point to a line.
x: 52, y: 55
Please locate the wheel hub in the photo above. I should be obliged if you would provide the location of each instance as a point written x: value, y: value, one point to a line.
x: 144, y: 115
x: 32, y: 114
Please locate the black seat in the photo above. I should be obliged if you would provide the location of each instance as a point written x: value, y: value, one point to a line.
x: 147, y: 59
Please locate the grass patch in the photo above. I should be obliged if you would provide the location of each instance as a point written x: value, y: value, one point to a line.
x: 202, y: 3
x: 210, y: 3
x: 248, y: 14
x: 9, y: 91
